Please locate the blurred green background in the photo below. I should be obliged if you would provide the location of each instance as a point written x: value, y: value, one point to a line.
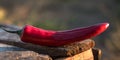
x: 68, y: 14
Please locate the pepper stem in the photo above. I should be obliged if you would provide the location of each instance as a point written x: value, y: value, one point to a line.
x: 19, y: 32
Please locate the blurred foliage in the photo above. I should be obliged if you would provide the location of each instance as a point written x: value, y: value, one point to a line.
x: 50, y: 24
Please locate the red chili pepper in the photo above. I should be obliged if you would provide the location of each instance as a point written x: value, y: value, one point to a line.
x: 43, y: 37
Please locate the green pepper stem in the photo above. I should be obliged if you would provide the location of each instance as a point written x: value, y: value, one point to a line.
x: 19, y: 32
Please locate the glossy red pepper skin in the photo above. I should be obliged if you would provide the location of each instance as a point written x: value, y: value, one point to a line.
x: 43, y: 37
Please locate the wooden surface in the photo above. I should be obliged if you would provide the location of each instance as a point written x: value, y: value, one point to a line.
x: 90, y: 54
x: 68, y: 50
x: 30, y: 55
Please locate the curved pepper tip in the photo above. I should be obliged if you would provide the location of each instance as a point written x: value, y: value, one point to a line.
x: 103, y: 26
x: 106, y: 25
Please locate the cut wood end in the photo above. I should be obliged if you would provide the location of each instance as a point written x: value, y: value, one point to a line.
x: 79, y: 47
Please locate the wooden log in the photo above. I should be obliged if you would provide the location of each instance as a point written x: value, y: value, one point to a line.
x: 90, y: 54
x: 55, y: 52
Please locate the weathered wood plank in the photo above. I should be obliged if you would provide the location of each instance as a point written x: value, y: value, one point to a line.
x: 67, y: 50
x: 90, y: 54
